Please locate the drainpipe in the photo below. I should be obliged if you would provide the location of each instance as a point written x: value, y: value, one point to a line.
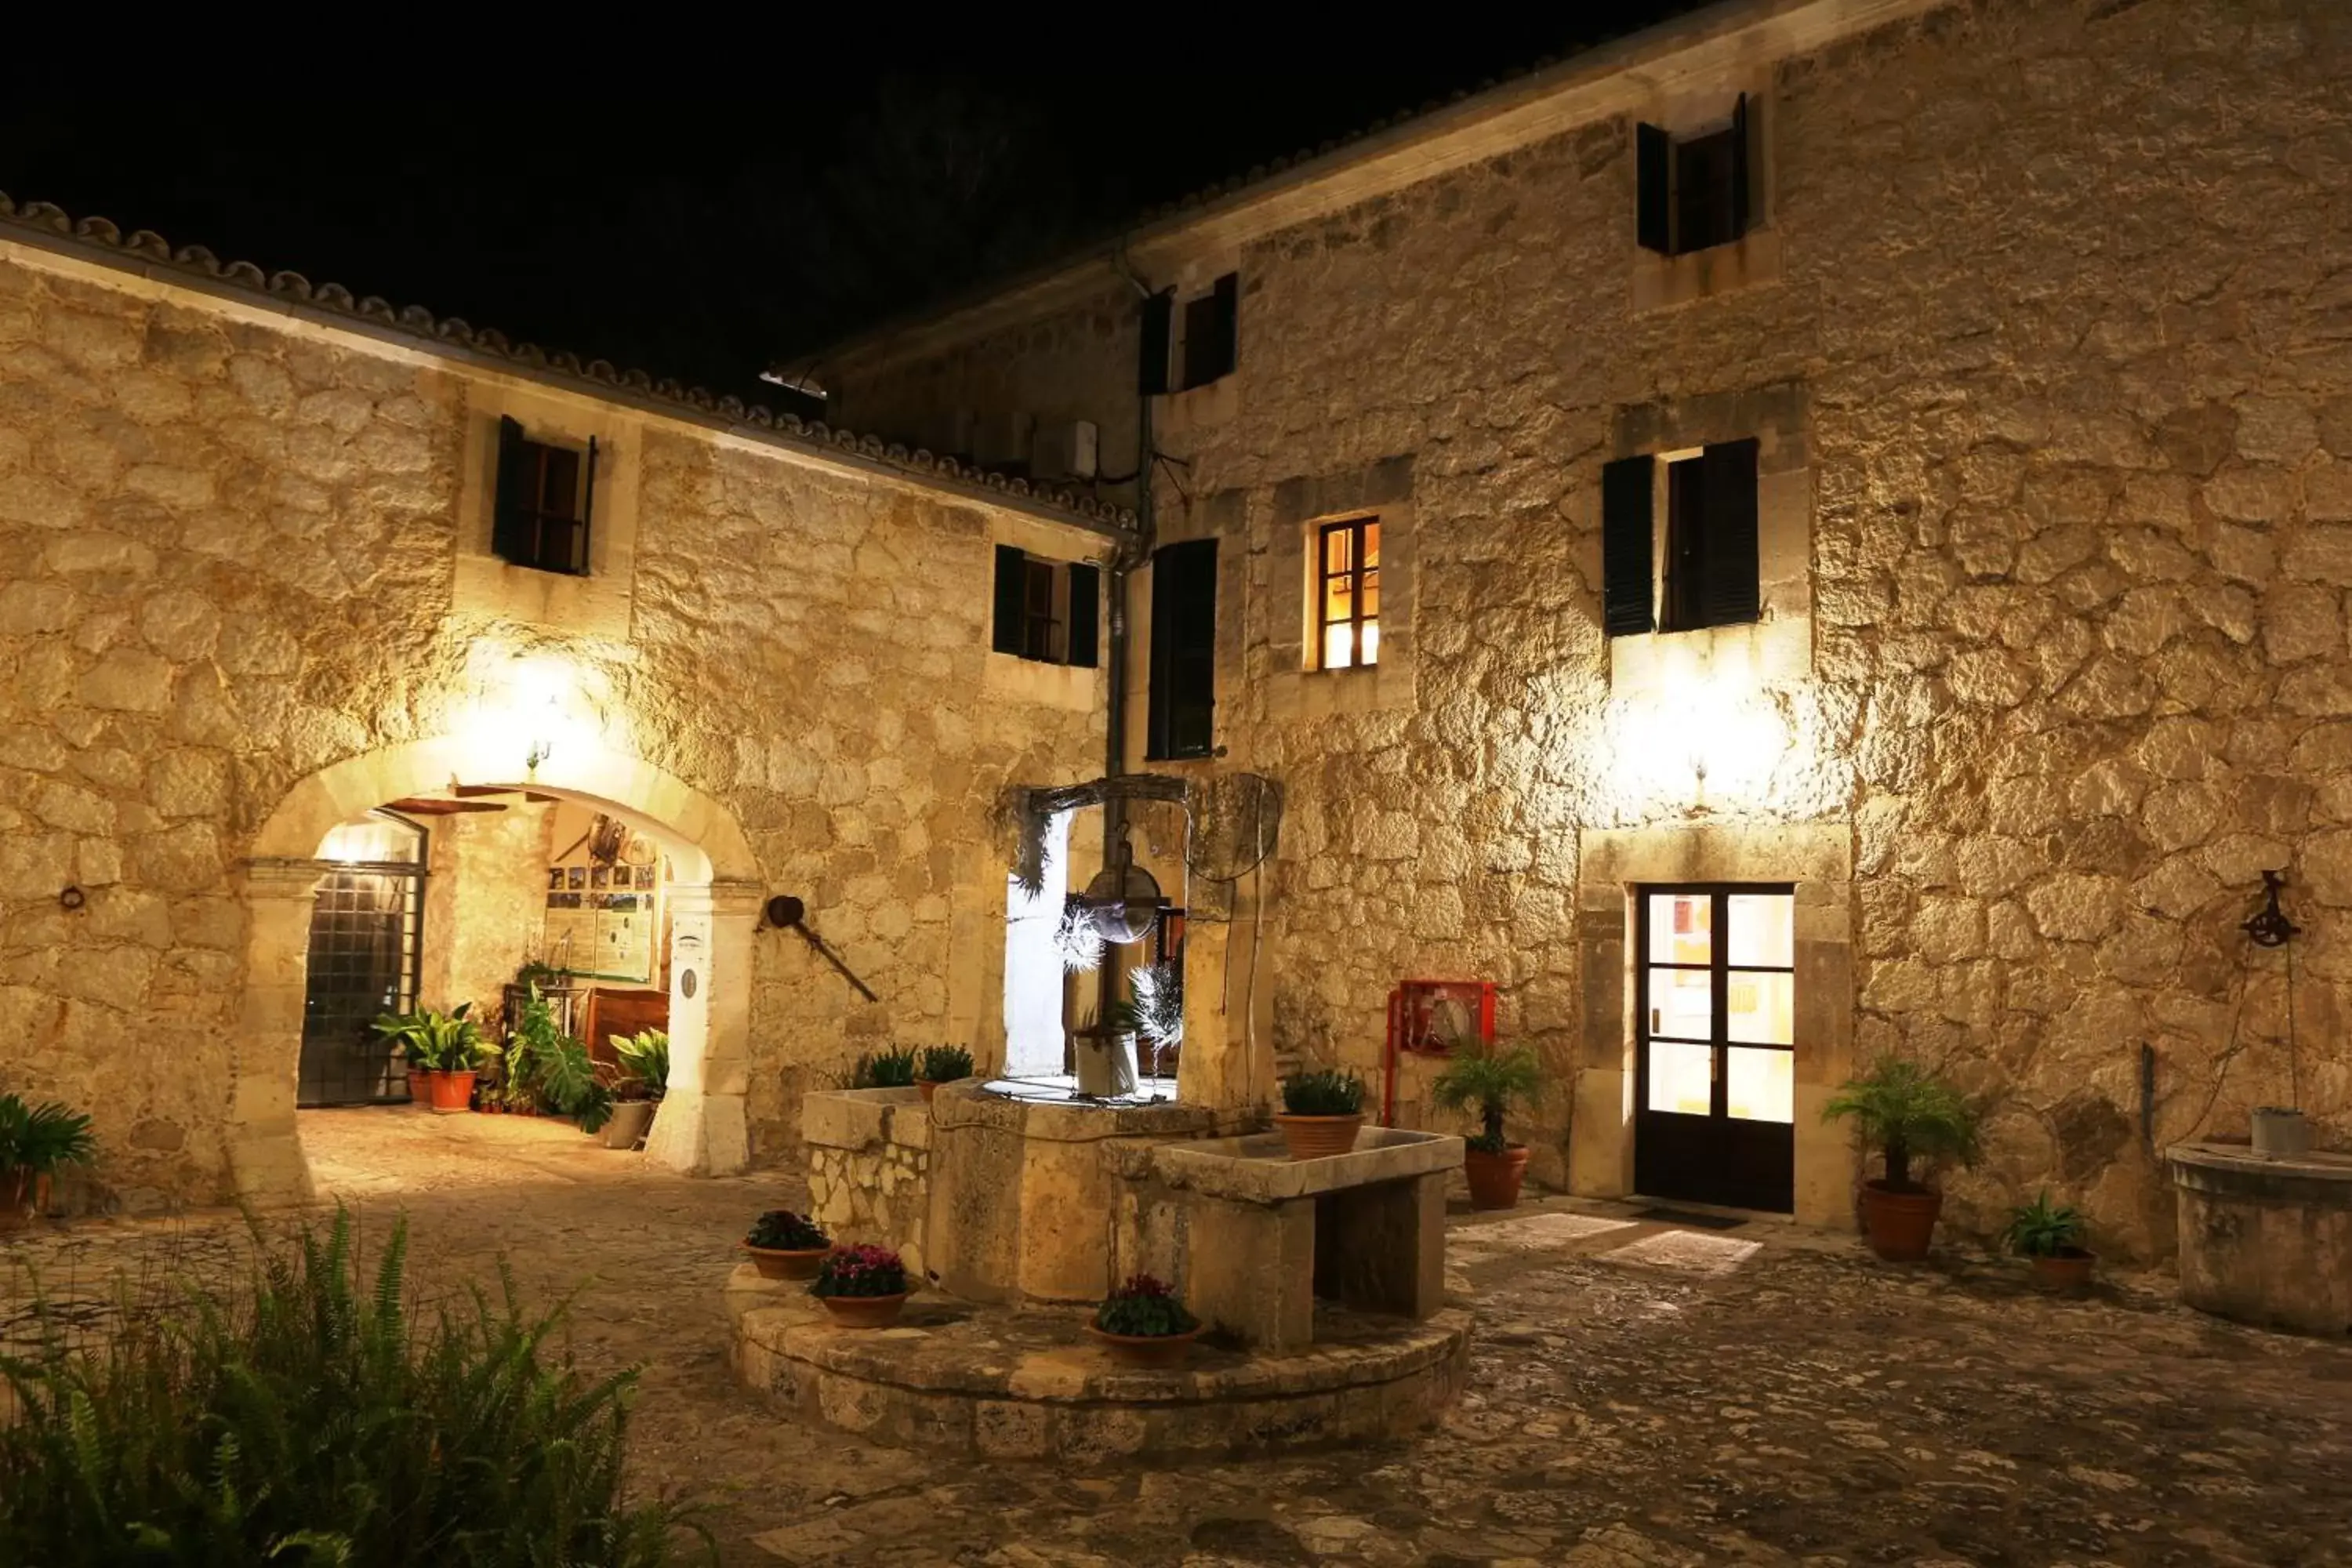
x: 1124, y: 558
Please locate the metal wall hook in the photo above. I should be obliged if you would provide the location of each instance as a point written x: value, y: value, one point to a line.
x: 2269, y: 926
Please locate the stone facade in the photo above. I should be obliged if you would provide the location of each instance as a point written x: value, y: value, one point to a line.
x: 249, y: 593
x: 2054, y: 291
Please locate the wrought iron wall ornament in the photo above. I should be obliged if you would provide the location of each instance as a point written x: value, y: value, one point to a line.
x: 2269, y: 926
x: 788, y: 914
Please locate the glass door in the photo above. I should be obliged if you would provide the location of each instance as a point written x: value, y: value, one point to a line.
x: 1715, y: 1109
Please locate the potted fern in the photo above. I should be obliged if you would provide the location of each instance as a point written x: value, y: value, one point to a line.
x: 35, y: 1143
x: 786, y: 1245
x: 938, y: 1064
x: 1906, y: 1114
x: 1321, y: 1113
x: 862, y: 1287
x: 1143, y: 1323
x: 1490, y: 1080
x: 445, y: 1049
x: 2050, y: 1238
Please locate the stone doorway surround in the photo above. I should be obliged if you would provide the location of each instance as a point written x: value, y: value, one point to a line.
x: 1611, y: 863
x: 715, y: 907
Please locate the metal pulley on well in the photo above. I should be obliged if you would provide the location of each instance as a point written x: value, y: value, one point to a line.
x: 1123, y: 900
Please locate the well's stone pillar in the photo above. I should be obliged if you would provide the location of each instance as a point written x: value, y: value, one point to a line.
x: 265, y: 1156
x: 1226, y: 1065
x: 700, y: 1128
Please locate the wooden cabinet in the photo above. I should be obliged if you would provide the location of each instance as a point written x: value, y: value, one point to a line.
x: 614, y: 1011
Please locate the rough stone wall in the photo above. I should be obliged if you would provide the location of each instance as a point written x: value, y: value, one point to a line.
x: 2062, y: 287
x: 230, y: 541
x: 869, y: 1169
x: 485, y: 905
x: 1075, y: 366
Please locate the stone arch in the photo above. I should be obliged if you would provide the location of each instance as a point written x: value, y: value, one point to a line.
x: 714, y: 909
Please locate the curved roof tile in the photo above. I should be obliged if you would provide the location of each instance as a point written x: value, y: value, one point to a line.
x: 106, y: 243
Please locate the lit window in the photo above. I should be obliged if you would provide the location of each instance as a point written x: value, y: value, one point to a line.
x: 1348, y: 604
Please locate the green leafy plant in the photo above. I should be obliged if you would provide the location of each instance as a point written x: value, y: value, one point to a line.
x: 314, y: 1415
x: 1906, y: 1113
x: 1324, y: 1092
x: 2043, y: 1229
x: 549, y: 1070
x: 1490, y: 1080
x: 437, y: 1042
x: 893, y: 1069
x: 43, y: 1139
x: 1144, y: 1308
x: 644, y: 1057
x: 781, y: 1230
x: 860, y: 1271
x: 944, y: 1064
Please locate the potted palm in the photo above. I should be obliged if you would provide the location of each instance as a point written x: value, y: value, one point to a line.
x: 938, y: 1064
x: 644, y: 1079
x: 862, y: 1287
x: 446, y: 1049
x: 1321, y: 1112
x: 1904, y: 1113
x: 1490, y: 1078
x: 1143, y: 1323
x: 786, y: 1245
x: 2050, y: 1238
x: 35, y: 1143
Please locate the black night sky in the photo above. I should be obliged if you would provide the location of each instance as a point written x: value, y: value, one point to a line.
x: 703, y: 221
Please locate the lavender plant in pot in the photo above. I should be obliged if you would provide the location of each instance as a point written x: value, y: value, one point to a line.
x: 862, y: 1287
x: 1906, y: 1114
x: 1143, y: 1323
x: 786, y: 1245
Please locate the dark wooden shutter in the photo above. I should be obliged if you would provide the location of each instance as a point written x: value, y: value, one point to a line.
x: 1012, y: 599
x: 1181, y: 721
x: 1739, y: 168
x: 1225, y: 323
x: 514, y: 532
x: 1627, y: 546
x: 1731, y: 595
x: 1653, y: 155
x: 1152, y: 366
x: 1085, y: 616
x: 587, y: 509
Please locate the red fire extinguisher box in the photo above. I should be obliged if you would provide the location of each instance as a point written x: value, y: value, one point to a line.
x: 1425, y: 1019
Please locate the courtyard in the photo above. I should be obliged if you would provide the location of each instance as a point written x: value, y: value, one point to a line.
x: 1644, y: 1391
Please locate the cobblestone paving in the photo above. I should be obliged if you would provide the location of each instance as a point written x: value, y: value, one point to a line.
x: 1642, y: 1395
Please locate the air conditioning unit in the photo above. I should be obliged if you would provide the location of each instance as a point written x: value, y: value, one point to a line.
x: 1065, y: 450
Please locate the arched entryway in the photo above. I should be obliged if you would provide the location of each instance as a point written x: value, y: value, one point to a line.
x: 713, y: 905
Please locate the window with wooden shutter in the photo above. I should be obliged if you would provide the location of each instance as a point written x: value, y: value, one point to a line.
x: 1696, y: 193
x: 541, y: 503
x: 1182, y: 720
x: 1049, y: 611
x: 1151, y: 361
x: 1628, y: 540
x: 1710, y: 562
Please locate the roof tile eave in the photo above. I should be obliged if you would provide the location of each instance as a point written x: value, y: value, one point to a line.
x: 148, y: 253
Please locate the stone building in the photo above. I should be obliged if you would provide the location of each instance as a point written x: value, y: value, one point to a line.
x: 1819, y: 529
x: 253, y: 592
x: 2021, y: 651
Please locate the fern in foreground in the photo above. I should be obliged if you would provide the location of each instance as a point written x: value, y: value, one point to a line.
x: 310, y: 1421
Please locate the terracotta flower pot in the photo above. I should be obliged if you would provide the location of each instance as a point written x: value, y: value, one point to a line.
x: 926, y: 1087
x: 17, y: 1186
x: 788, y: 1263
x: 1495, y: 1178
x: 1318, y: 1137
x: 2065, y: 1271
x: 1147, y: 1350
x: 450, y: 1092
x: 1898, y: 1224
x: 863, y: 1312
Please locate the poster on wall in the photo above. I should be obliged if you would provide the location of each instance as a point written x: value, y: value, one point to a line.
x: 600, y: 925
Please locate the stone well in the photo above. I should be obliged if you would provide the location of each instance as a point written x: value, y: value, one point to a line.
x: 1320, y: 1282
x: 2265, y: 1239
